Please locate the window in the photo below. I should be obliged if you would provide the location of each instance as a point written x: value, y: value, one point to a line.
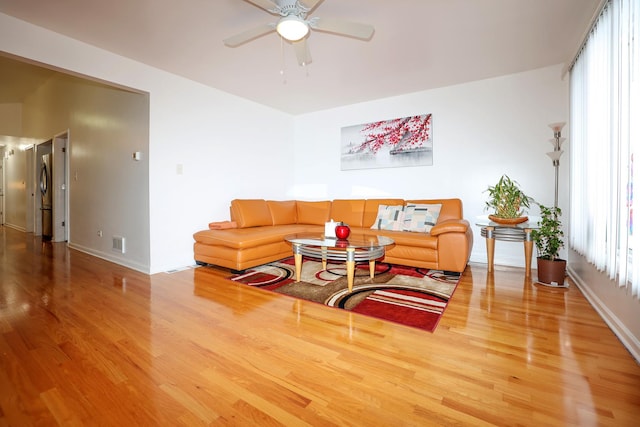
x: 605, y: 119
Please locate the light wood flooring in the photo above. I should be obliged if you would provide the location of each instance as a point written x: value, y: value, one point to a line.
x: 87, y: 342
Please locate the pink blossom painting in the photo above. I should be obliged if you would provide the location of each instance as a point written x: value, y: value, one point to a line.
x: 390, y: 143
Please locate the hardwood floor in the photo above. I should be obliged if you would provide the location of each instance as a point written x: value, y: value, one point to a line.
x: 87, y: 342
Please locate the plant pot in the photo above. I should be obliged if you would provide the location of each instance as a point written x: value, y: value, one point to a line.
x: 508, y: 221
x: 552, y: 271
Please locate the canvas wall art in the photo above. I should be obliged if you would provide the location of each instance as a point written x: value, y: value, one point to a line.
x: 392, y: 143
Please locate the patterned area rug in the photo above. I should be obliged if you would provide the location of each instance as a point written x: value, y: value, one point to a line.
x: 410, y: 296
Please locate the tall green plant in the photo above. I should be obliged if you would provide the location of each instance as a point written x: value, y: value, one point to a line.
x: 548, y: 237
x: 507, y: 199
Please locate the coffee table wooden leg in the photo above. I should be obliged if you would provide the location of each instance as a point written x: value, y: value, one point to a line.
x: 372, y: 268
x: 528, y: 252
x: 324, y: 258
x: 351, y: 267
x: 297, y: 258
x: 491, y: 244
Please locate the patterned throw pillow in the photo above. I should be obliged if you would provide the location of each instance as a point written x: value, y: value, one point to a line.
x: 420, y: 217
x: 389, y: 218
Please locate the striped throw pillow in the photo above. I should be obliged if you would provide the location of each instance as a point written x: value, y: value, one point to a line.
x: 389, y: 218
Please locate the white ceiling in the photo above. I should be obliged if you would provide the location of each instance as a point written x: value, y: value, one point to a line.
x: 417, y: 44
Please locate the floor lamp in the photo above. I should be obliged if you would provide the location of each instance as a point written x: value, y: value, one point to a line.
x: 556, y: 141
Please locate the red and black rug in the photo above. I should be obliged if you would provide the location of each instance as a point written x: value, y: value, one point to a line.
x: 410, y: 296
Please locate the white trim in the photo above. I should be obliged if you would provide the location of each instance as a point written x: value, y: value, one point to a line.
x: 631, y: 342
x: 15, y: 227
x: 108, y: 257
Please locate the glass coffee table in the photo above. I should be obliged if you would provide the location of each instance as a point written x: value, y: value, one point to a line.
x: 357, y: 248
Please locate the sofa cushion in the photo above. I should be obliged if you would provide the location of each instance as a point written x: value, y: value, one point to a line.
x: 250, y: 212
x: 389, y: 218
x: 313, y: 212
x: 243, y: 238
x: 421, y: 217
x: 282, y: 212
x: 451, y: 208
x: 402, y: 238
x: 348, y: 211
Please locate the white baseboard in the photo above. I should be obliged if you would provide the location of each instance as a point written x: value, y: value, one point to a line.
x: 15, y: 227
x: 629, y: 340
x: 109, y: 257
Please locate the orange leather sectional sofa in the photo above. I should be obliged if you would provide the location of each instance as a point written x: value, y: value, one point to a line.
x: 255, y: 234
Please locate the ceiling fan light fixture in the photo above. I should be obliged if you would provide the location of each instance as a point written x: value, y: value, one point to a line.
x: 292, y: 28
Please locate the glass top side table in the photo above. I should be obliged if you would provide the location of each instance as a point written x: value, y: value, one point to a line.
x: 493, y: 231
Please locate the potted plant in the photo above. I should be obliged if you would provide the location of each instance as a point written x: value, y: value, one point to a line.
x: 548, y: 238
x: 507, y: 201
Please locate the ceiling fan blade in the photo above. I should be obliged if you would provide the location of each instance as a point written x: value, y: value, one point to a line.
x: 303, y: 53
x: 249, y: 35
x: 343, y: 28
x: 310, y: 4
x: 267, y: 5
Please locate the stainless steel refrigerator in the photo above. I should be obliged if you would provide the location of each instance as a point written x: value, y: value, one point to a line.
x: 45, y: 193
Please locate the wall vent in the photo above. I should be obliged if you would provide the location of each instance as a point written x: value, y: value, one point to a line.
x: 118, y: 244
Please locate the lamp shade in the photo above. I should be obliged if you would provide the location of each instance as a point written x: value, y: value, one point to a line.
x: 292, y: 28
x: 557, y: 127
x: 555, y: 155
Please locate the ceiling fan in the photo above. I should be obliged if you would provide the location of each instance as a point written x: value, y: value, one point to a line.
x: 294, y: 26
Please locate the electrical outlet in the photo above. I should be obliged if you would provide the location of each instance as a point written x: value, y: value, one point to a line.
x: 99, y: 233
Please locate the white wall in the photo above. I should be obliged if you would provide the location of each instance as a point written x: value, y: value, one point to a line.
x: 224, y: 145
x: 481, y: 130
x: 227, y: 148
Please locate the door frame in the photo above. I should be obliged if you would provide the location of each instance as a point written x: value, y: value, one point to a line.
x: 60, y: 179
x: 59, y: 147
x: 30, y: 189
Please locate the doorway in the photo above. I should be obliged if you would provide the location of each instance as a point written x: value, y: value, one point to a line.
x: 52, y: 154
x: 42, y: 150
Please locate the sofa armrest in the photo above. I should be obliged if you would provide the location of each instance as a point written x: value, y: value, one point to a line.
x: 450, y: 226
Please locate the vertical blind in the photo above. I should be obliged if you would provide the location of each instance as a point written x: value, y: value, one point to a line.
x: 605, y: 136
